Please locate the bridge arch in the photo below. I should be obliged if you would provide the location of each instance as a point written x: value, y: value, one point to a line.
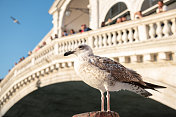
x: 71, y: 97
x: 22, y: 88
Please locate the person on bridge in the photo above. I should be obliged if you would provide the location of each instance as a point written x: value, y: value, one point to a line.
x: 161, y: 7
x: 72, y: 32
x: 119, y: 20
x: 138, y: 15
x: 64, y: 33
x: 84, y: 28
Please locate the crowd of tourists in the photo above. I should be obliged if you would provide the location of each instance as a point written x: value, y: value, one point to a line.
x: 84, y: 28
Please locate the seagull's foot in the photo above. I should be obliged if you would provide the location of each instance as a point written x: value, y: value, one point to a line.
x: 108, y: 110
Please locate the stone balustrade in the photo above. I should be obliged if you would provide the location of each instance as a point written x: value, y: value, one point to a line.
x: 150, y: 39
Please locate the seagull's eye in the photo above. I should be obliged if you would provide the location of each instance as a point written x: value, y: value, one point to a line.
x: 81, y: 47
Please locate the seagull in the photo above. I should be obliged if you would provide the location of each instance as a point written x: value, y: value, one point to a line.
x: 107, y: 75
x: 15, y: 20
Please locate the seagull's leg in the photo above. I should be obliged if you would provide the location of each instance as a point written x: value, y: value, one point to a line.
x: 108, y: 101
x: 102, y: 101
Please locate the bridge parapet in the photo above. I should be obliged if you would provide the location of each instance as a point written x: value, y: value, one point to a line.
x: 137, y: 44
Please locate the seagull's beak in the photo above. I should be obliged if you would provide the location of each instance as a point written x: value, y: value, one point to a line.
x: 68, y: 53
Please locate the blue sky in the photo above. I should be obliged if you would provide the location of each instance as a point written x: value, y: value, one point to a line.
x: 17, y: 39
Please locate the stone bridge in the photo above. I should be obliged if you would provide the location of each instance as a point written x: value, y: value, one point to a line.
x: 147, y: 45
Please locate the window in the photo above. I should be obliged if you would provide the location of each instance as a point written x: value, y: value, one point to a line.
x: 117, y: 10
x: 148, y: 3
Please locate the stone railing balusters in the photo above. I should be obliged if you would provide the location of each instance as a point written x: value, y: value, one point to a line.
x: 65, y: 46
x: 109, y: 39
x: 136, y: 34
x: 124, y: 36
x: 114, y: 38
x: 70, y: 45
x: 100, y: 40
x: 173, y: 27
x: 82, y: 41
x: 61, y: 48
x: 151, y: 31
x: 95, y: 41
x: 104, y: 40
x: 130, y: 35
x: 119, y: 37
x: 166, y: 28
x: 159, y: 30
x: 79, y: 42
x: 73, y: 44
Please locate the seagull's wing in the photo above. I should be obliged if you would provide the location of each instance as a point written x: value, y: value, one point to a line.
x: 17, y: 22
x: 118, y: 71
x: 12, y: 18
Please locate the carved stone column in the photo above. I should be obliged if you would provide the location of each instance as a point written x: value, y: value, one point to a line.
x: 94, y: 14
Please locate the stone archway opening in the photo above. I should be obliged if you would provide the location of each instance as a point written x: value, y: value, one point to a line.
x: 76, y: 14
x: 69, y: 98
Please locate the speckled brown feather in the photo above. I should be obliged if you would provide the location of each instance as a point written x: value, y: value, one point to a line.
x: 118, y: 71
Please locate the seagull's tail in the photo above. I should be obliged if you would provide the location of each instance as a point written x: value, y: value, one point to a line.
x: 131, y: 86
x: 140, y: 88
x: 152, y: 86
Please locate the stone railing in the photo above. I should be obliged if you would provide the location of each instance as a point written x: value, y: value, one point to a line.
x: 156, y: 30
x: 162, y: 27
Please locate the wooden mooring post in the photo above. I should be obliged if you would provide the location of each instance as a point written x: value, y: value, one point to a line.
x: 98, y: 114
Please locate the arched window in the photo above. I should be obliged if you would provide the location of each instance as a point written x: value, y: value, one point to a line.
x: 148, y: 3
x: 117, y: 10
